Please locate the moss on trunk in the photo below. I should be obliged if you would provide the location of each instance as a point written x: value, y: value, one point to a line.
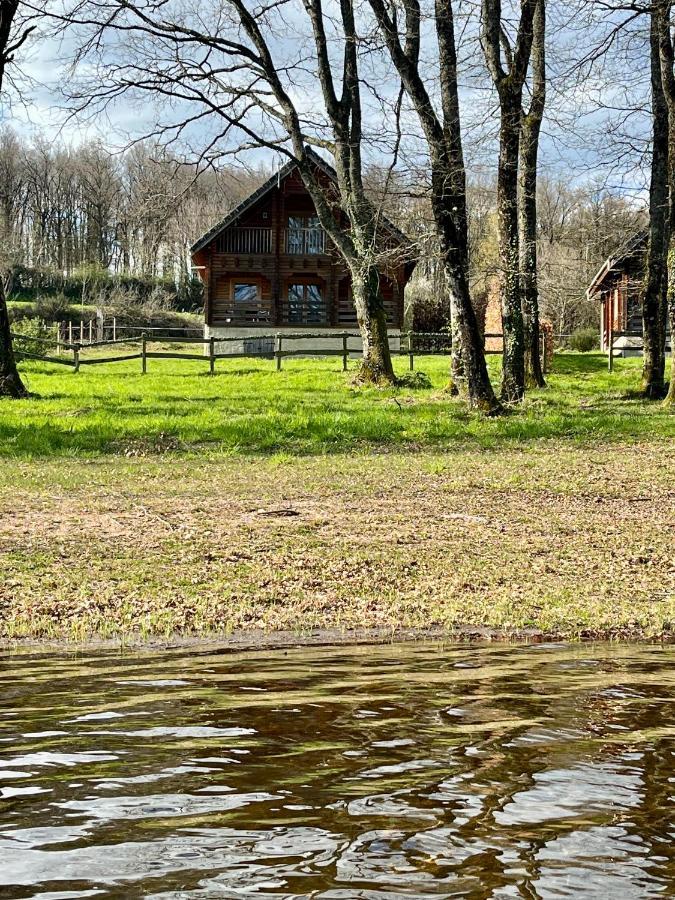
x: 376, y: 366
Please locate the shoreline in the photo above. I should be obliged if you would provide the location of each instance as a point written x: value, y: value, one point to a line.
x: 254, y: 639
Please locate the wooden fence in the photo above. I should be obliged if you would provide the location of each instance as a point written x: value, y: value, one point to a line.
x: 88, y: 332
x: 74, y: 354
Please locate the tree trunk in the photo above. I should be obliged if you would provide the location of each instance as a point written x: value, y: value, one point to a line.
x: 528, y: 259
x: 654, y: 300
x: 376, y: 365
x: 472, y: 378
x: 509, y: 84
x: 469, y: 375
x: 10, y: 381
x: 457, y: 384
x: 527, y: 202
x: 513, y: 365
x: 670, y: 397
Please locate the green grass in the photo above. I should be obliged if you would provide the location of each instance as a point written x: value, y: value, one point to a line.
x: 310, y: 407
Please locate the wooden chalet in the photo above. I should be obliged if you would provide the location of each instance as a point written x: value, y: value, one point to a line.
x: 269, y: 266
x: 618, y: 287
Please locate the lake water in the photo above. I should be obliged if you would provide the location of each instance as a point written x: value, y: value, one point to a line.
x: 411, y: 770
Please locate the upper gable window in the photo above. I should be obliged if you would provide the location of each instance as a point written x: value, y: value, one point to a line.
x: 304, y: 236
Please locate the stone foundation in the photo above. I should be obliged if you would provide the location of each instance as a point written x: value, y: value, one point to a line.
x: 259, y: 341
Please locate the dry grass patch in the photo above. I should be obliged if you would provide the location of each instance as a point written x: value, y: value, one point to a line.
x: 554, y: 538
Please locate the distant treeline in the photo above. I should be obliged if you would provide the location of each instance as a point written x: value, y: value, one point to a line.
x: 66, y: 209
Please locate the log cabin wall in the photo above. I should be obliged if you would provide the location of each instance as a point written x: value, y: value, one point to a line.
x: 619, y: 286
x: 621, y: 297
x: 274, y: 266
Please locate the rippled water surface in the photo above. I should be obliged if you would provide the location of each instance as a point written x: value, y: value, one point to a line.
x: 373, y: 772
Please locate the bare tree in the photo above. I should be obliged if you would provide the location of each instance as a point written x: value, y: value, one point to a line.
x: 223, y: 64
x: 10, y: 380
x: 527, y: 198
x: 654, y: 298
x: 508, y: 62
x: 448, y: 179
x: 661, y: 17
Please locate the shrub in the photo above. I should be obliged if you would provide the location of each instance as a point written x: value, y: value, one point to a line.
x: 415, y: 381
x: 584, y: 339
x: 430, y: 316
x: 30, y: 334
x: 429, y: 310
x: 53, y: 309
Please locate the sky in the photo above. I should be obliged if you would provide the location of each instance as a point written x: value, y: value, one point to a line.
x: 586, y: 135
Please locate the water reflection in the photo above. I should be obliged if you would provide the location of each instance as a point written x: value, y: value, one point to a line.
x: 399, y: 771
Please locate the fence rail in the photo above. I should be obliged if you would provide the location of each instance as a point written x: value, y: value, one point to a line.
x: 410, y: 344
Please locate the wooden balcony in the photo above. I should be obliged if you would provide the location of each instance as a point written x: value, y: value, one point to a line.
x: 247, y: 241
x: 303, y: 313
x: 260, y: 241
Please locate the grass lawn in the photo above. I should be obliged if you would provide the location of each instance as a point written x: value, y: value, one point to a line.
x: 177, y: 502
x: 308, y: 408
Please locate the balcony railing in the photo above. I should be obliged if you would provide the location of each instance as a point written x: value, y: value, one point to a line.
x: 304, y: 241
x: 260, y: 241
x: 246, y: 240
x: 303, y: 313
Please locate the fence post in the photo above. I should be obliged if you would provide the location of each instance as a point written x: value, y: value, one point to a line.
x: 411, y: 361
x: 114, y: 328
x: 212, y: 355
x: 144, y: 353
x: 70, y: 331
x: 91, y: 331
x: 57, y: 329
x: 610, y: 341
x: 76, y: 357
x: 345, y: 354
x: 278, y: 353
x: 82, y: 331
x: 542, y: 351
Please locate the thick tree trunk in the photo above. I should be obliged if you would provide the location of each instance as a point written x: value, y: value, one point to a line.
x: 469, y: 370
x: 527, y: 202
x: 10, y: 381
x: 478, y: 387
x: 654, y: 300
x: 670, y: 396
x: 472, y: 378
x: 661, y: 20
x: 376, y: 365
x: 457, y: 385
x: 528, y: 259
x: 513, y: 364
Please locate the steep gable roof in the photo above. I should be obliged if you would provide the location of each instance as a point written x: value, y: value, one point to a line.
x: 272, y: 182
x: 634, y: 246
